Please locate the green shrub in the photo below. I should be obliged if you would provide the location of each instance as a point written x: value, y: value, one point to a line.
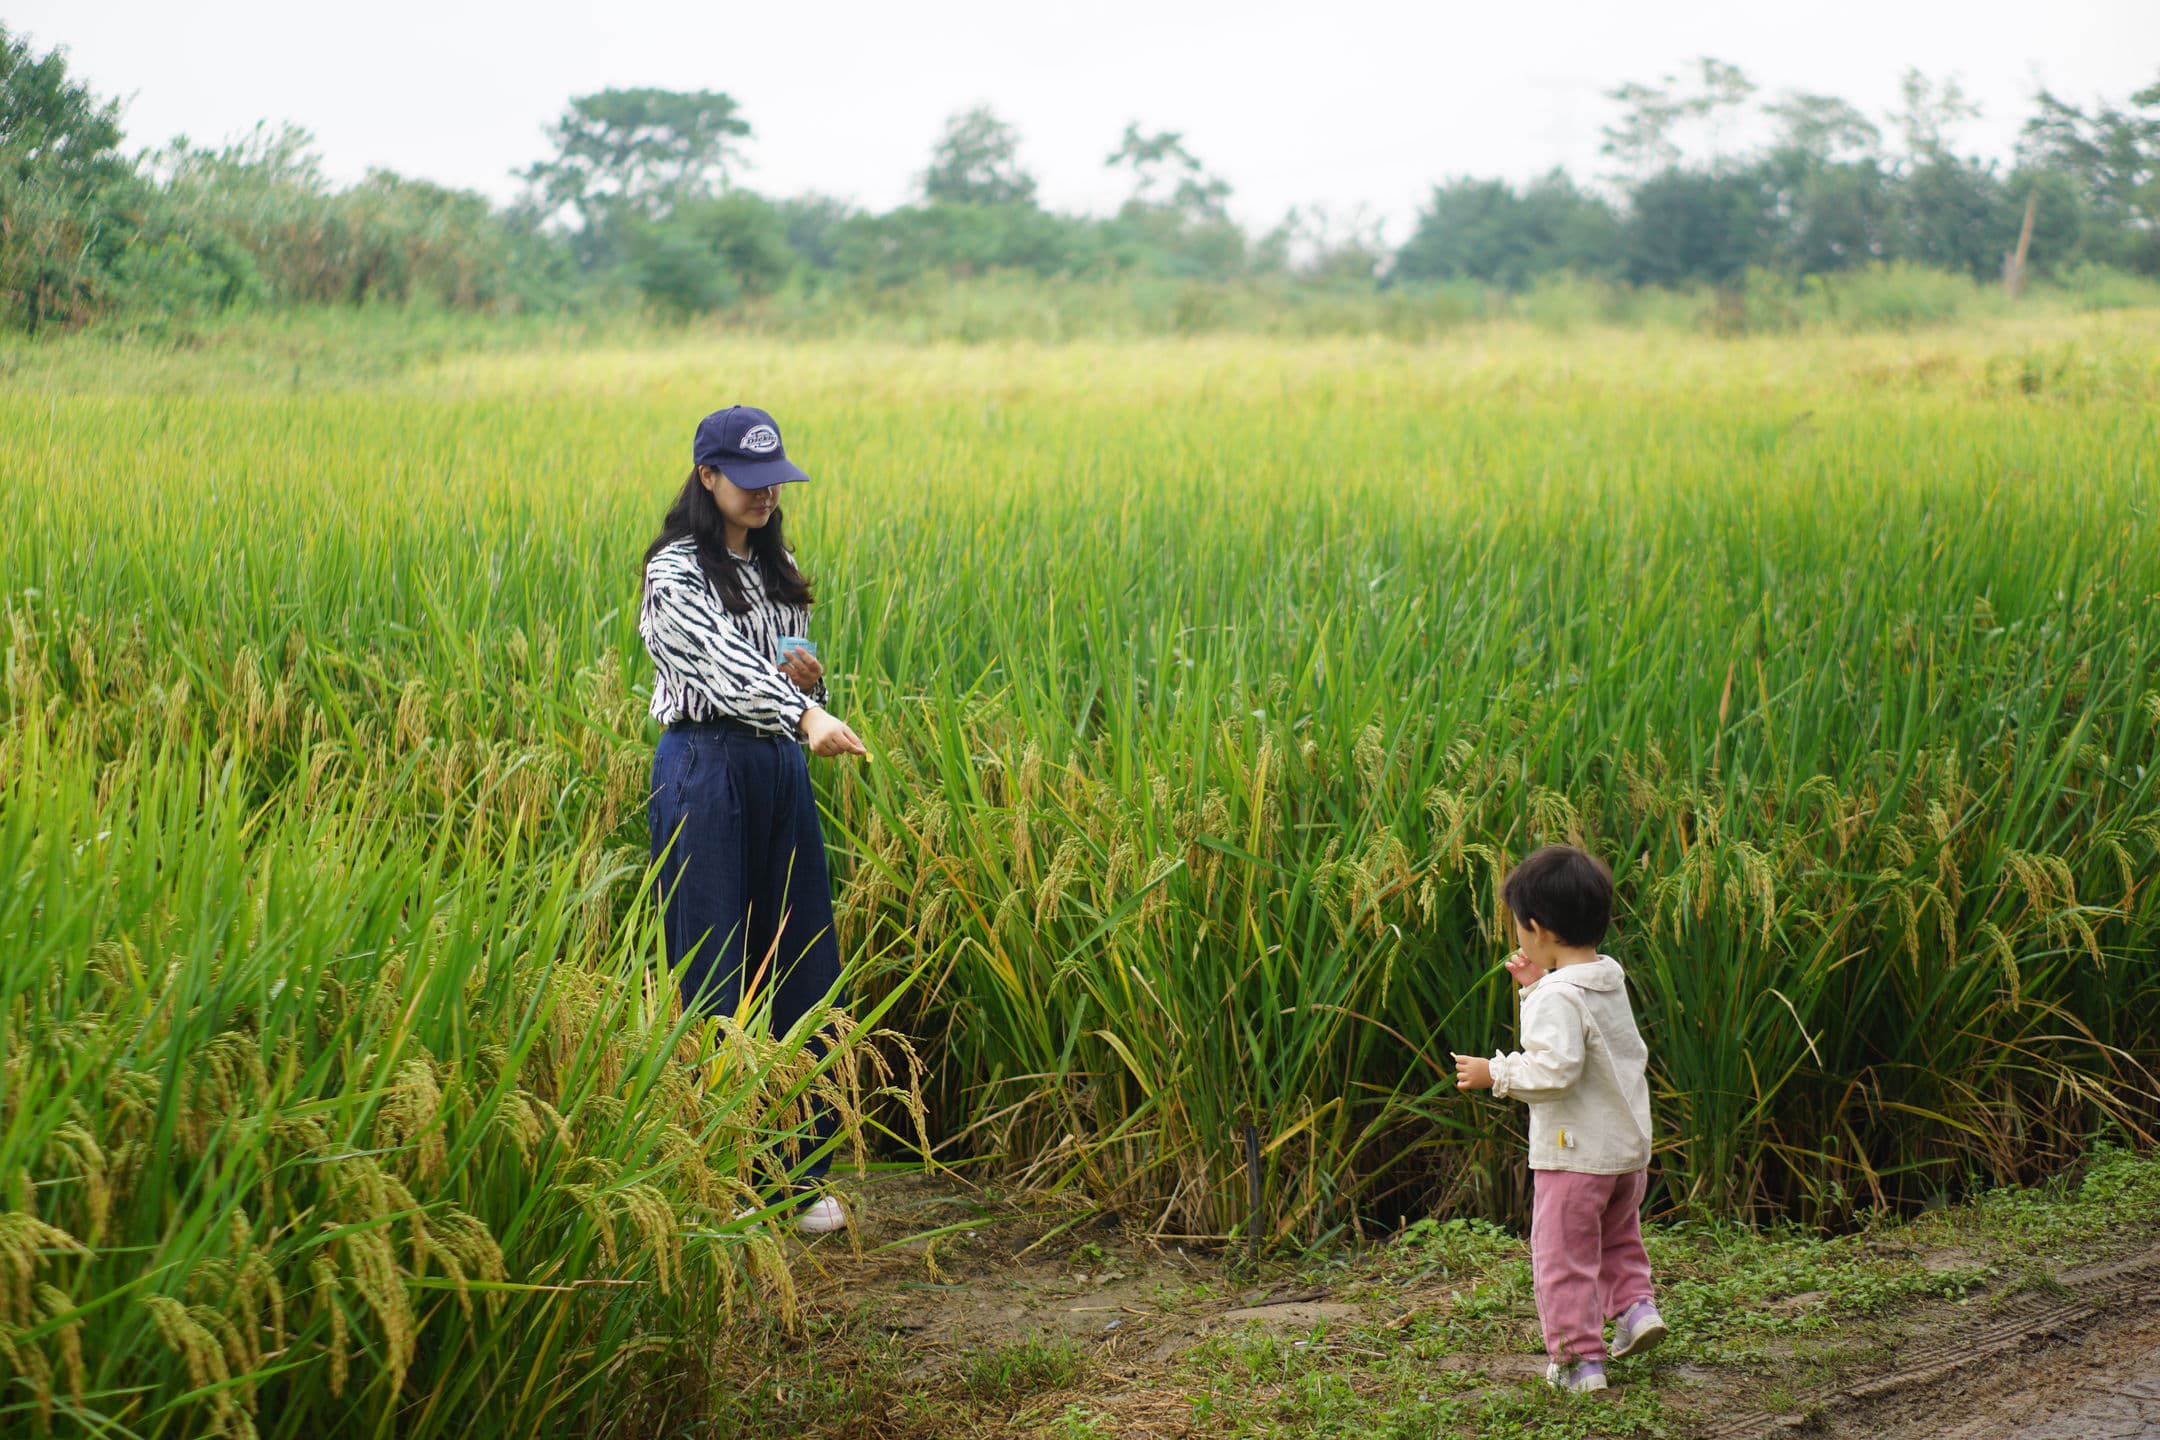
x: 2101, y: 287
x: 1896, y: 296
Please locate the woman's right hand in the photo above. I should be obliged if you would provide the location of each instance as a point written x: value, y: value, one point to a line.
x: 825, y: 734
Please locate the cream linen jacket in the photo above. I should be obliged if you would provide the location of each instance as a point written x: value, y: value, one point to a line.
x: 1581, y: 1070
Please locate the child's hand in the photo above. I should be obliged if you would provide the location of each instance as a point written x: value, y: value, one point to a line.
x: 1473, y: 1072
x: 1523, y: 970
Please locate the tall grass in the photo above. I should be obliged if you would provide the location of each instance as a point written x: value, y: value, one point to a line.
x: 341, y: 1095
x: 315, y: 1123
x: 1262, y: 700
x: 1210, y: 690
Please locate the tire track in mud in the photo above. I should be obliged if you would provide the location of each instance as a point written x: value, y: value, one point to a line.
x: 2059, y: 1311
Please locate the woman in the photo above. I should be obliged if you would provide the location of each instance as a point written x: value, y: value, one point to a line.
x: 742, y: 880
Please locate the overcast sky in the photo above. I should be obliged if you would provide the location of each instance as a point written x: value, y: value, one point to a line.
x: 1345, y: 104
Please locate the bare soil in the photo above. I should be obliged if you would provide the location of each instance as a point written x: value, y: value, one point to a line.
x: 2072, y: 1353
x: 2098, y: 1383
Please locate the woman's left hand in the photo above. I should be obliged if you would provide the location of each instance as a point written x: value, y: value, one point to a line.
x: 802, y: 667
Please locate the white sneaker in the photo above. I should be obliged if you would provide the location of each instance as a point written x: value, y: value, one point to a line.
x: 1580, y: 1376
x: 822, y: 1216
x: 1639, y: 1328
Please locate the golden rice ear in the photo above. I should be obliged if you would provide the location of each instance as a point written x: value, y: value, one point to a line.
x: 58, y: 1306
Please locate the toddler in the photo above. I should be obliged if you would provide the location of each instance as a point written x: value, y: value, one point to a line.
x: 1581, y: 1071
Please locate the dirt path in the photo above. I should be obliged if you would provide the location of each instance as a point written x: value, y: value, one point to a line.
x: 2072, y: 1356
x: 1000, y: 1275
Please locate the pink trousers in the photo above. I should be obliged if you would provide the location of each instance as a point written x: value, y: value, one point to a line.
x: 1586, y: 1255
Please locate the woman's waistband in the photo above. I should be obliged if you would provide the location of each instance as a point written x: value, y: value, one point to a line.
x: 726, y: 727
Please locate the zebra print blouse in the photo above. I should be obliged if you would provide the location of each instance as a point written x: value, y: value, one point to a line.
x: 709, y: 664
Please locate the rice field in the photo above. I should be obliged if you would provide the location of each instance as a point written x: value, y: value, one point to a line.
x: 1210, y: 689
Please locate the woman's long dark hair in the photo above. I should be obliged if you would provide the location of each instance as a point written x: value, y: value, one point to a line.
x: 696, y: 516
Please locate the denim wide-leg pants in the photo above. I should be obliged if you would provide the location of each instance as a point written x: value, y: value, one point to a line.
x: 745, y: 895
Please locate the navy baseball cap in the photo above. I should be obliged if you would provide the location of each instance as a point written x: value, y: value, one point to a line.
x: 742, y: 442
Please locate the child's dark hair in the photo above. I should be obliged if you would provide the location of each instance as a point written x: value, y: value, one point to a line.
x: 1565, y: 890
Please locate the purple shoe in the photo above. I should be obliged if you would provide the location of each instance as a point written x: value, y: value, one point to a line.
x: 1638, y: 1329
x: 1581, y: 1375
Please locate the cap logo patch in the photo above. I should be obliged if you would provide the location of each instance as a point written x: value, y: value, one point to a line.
x: 759, y: 439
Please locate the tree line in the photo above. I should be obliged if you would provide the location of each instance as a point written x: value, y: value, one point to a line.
x: 638, y: 203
